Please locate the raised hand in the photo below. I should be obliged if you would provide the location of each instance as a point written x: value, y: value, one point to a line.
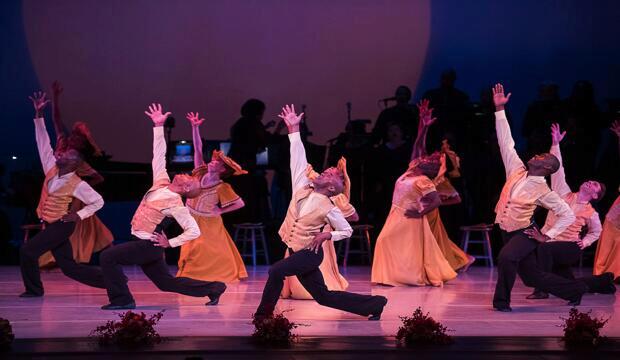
x: 194, y: 118
x: 556, y: 134
x: 291, y: 119
x: 56, y: 89
x: 426, y: 113
x: 499, y: 99
x: 615, y: 127
x: 39, y: 101
x: 156, y: 114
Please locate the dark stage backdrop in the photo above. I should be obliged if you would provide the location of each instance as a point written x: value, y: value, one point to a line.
x: 115, y: 57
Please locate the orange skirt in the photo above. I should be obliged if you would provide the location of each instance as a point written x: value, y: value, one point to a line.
x: 456, y: 257
x: 607, y: 257
x: 89, y: 236
x: 329, y: 268
x: 212, y: 256
x: 407, y: 253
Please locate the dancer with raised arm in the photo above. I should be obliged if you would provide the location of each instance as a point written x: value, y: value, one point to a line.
x: 163, y: 200
x: 607, y: 257
x: 310, y: 210
x: 558, y: 254
x: 90, y: 235
x: 213, y: 256
x: 457, y: 258
x: 329, y: 266
x: 60, y: 187
x: 525, y: 190
x: 407, y: 252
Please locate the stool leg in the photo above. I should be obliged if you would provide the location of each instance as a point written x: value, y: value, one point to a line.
x: 487, y: 249
x: 253, y: 238
x: 264, y: 241
x: 368, y: 249
x: 346, y: 251
x: 466, y: 240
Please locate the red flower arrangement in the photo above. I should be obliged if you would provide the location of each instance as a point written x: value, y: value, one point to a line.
x: 421, y: 329
x: 6, y: 334
x: 274, y: 330
x: 582, y: 330
x: 133, y: 330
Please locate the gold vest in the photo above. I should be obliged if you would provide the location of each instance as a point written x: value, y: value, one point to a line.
x: 149, y: 213
x: 516, y: 213
x: 54, y: 206
x: 582, y: 214
x: 296, y: 231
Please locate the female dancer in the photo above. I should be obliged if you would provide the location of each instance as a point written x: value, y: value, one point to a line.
x: 448, y: 195
x: 407, y: 252
x: 213, y: 256
x: 329, y: 266
x: 90, y: 235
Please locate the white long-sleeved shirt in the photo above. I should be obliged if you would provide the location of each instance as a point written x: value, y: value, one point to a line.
x: 299, y: 164
x: 180, y: 213
x: 560, y: 186
x: 512, y: 163
x: 84, y: 192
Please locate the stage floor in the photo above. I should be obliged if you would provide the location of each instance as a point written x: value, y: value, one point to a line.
x: 464, y: 305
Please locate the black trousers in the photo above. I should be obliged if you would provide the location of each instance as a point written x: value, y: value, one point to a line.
x: 151, y: 259
x: 557, y: 257
x: 519, y: 256
x: 55, y: 237
x: 305, y: 265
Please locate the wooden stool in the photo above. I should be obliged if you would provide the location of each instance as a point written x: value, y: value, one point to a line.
x: 251, y: 233
x: 362, y: 234
x: 485, y: 230
x: 31, y: 227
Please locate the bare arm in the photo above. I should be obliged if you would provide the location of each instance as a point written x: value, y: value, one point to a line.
x: 431, y: 202
x: 235, y: 205
x: 196, y: 121
x: 615, y: 128
x: 426, y: 120
x: 59, y: 126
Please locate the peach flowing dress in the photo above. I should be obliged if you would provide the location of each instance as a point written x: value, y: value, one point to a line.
x: 607, y: 257
x: 213, y: 256
x: 407, y: 252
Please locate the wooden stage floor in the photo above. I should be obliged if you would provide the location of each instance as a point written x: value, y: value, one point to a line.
x: 71, y: 310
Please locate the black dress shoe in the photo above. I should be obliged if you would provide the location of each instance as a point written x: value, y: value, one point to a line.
x: 27, y: 294
x: 538, y: 295
x: 377, y: 315
x: 574, y: 302
x: 502, y: 308
x: 130, y: 306
x: 215, y: 298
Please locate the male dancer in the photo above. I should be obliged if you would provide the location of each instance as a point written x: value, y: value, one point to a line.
x: 525, y: 189
x: 60, y: 188
x: 557, y: 255
x: 147, y: 248
x: 309, y: 211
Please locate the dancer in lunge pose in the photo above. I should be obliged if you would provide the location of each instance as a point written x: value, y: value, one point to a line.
x: 558, y: 254
x: 213, y: 256
x: 526, y: 189
x: 310, y: 210
x: 90, y: 235
x: 60, y: 187
x: 329, y: 266
x: 163, y: 200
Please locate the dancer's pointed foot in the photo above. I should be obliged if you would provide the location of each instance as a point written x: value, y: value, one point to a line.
x: 537, y: 295
x: 214, y: 298
x: 27, y: 294
x: 377, y: 314
x: 471, y: 260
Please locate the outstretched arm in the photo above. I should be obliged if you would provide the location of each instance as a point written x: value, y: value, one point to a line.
x: 511, y: 159
x: 558, y: 178
x: 299, y: 163
x: 196, y: 121
x: 159, y: 142
x: 59, y: 126
x: 615, y: 128
x: 46, y: 154
x: 426, y: 120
